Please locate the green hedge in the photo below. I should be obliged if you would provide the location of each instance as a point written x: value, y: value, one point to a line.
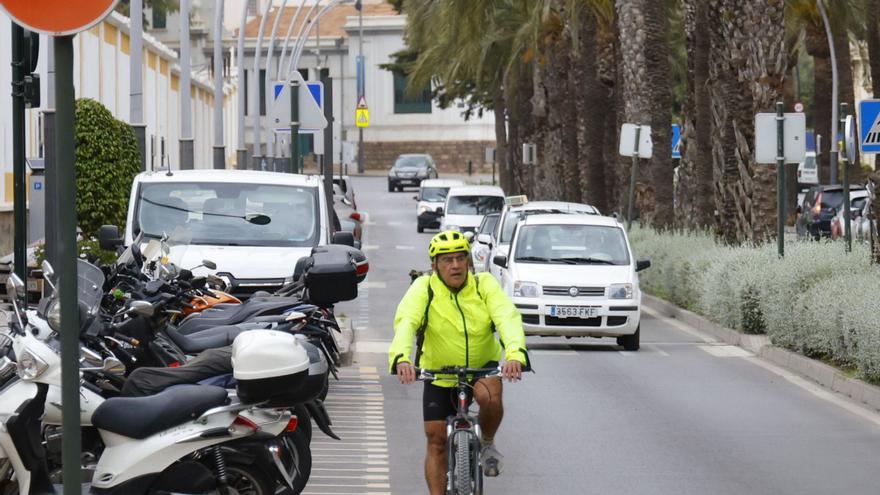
x: 818, y: 300
x: 107, y: 159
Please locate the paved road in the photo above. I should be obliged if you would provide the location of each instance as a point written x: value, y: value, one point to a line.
x: 685, y: 415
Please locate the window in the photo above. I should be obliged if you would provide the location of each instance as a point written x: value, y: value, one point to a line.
x: 159, y: 18
x: 420, y: 104
x: 572, y: 244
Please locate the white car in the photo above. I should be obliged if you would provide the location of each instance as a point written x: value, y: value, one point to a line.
x: 480, y: 250
x: 432, y: 200
x: 253, y: 225
x: 574, y: 276
x: 808, y: 171
x: 519, y: 207
x: 466, y: 205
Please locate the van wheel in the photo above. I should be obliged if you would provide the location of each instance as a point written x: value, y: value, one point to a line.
x: 420, y: 229
x: 630, y: 342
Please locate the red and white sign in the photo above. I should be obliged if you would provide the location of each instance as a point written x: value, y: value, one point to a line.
x: 799, y: 107
x: 362, y: 103
x: 57, y: 17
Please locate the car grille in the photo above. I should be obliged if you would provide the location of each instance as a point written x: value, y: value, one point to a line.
x: 552, y: 290
x: 531, y: 319
x: 553, y: 321
x: 616, y: 321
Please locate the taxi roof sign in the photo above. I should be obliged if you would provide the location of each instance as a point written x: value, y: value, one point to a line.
x: 516, y: 200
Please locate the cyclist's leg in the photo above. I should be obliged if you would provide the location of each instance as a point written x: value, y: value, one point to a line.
x: 487, y: 392
x: 436, y: 406
x: 435, y: 460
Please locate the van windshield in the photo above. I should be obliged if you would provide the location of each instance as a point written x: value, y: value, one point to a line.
x: 474, y: 205
x: 216, y: 213
x: 434, y: 194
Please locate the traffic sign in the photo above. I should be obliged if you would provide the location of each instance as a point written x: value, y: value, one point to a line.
x: 362, y: 117
x: 798, y: 107
x: 311, y: 113
x: 794, y: 133
x: 628, y: 145
x: 849, y: 139
x: 676, y: 141
x: 362, y: 102
x: 869, y: 126
x: 57, y: 17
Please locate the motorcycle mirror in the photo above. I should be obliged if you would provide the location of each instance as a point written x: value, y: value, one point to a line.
x: 113, y: 366
x: 48, y: 271
x: 141, y: 308
x: 90, y: 357
x: 14, y: 286
x: 210, y: 265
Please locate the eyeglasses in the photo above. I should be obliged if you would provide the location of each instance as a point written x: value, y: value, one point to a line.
x: 453, y: 259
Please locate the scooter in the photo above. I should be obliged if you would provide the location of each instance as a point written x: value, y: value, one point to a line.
x: 175, y: 441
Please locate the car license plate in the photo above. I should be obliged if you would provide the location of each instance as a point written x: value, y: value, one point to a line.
x: 574, y: 311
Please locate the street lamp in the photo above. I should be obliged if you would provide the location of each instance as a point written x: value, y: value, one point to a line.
x: 833, y: 140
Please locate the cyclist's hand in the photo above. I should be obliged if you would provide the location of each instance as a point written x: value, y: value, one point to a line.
x: 512, y: 371
x: 406, y: 373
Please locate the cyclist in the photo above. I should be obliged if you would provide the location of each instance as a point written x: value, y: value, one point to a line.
x: 455, y: 313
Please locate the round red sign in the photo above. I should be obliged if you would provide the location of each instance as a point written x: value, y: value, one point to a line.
x: 57, y: 17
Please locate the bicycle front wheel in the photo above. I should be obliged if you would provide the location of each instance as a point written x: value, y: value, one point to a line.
x: 463, y: 466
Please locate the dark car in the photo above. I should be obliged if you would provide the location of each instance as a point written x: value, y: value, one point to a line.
x: 411, y: 170
x: 821, y: 204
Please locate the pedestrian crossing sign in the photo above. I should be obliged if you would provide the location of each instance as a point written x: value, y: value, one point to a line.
x: 869, y: 126
x: 676, y: 141
x: 362, y: 117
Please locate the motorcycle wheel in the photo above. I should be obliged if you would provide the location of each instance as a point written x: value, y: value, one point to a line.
x: 247, y: 479
x: 299, y: 448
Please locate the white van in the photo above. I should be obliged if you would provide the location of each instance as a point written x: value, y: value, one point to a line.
x: 466, y: 205
x: 221, y: 216
x: 807, y: 171
x: 432, y: 199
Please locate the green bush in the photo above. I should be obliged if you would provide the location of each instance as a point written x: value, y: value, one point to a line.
x: 107, y: 159
x: 817, y: 300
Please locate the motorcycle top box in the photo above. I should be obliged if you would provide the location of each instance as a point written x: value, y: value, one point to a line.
x: 331, y: 274
x: 319, y: 371
x: 269, y: 366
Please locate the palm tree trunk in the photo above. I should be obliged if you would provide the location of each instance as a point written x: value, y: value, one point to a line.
x: 501, y: 162
x: 594, y: 103
x: 816, y: 43
x: 844, y: 67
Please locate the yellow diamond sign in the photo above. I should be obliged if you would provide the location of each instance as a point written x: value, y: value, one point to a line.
x: 362, y: 117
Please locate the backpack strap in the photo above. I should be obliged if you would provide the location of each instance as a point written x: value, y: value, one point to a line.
x: 420, y: 334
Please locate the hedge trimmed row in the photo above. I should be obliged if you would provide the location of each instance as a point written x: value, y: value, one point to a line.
x: 818, y: 300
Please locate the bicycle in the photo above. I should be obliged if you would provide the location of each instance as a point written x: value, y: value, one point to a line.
x: 463, y: 435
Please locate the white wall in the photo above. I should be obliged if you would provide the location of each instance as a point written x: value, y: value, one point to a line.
x: 101, y: 72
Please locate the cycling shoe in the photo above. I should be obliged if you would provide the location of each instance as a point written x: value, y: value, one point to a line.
x: 493, y: 461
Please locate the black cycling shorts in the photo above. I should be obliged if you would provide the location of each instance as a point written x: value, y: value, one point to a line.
x: 438, y: 403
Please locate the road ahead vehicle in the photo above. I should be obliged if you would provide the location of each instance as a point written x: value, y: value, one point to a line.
x: 254, y: 225
x: 807, y: 171
x: 515, y: 209
x: 480, y: 250
x: 350, y: 219
x: 466, y: 206
x: 857, y: 201
x: 411, y: 170
x: 820, y: 205
x: 347, y: 186
x: 574, y: 276
x: 432, y: 199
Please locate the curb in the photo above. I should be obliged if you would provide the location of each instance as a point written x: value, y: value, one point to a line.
x: 817, y: 371
x: 346, y: 341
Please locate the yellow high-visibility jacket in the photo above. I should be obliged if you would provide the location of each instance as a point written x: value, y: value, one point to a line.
x: 460, y: 325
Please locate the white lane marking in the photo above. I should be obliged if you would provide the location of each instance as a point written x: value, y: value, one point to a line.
x: 372, y: 346
x: 818, y: 390
x: 367, y: 247
x: 372, y: 285
x: 725, y: 351
x: 628, y: 353
x: 553, y: 352
x: 680, y: 325
x: 658, y: 350
x: 368, y: 485
x: 394, y: 223
x: 360, y: 470
x: 404, y: 248
x: 370, y: 477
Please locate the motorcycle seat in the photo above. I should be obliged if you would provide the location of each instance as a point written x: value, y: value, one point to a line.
x: 212, y: 338
x: 140, y: 417
x: 236, y: 313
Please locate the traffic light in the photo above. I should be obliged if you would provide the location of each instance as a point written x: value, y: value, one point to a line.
x: 30, y: 56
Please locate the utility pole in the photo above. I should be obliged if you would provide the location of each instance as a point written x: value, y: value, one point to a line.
x: 360, y: 79
x: 135, y: 78
x: 219, y: 148
x: 328, y: 138
x: 51, y: 220
x: 186, y: 135
x: 241, y: 158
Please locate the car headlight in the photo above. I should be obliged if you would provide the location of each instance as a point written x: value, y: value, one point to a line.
x: 53, y: 315
x: 620, y: 291
x: 30, y: 366
x: 525, y: 289
x: 423, y: 209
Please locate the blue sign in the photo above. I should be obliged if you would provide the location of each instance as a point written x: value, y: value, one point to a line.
x: 38, y: 186
x: 314, y: 89
x: 676, y: 141
x: 869, y: 126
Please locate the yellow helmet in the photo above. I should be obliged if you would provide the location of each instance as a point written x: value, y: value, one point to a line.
x: 448, y: 241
